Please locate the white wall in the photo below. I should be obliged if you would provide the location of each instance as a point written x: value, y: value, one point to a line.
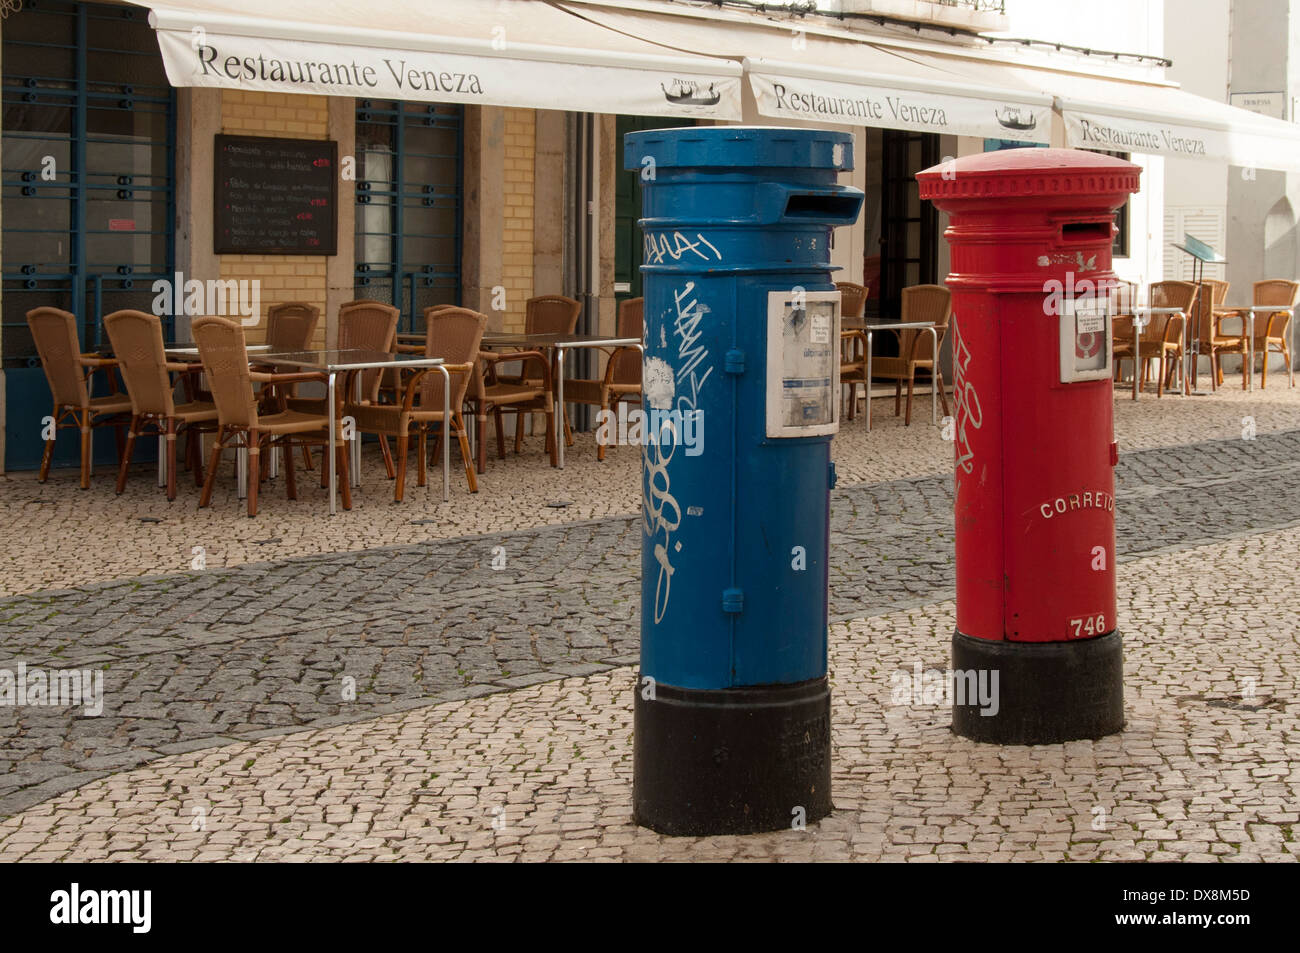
x: 1196, y: 193
x: 1124, y: 26
x: 1262, y: 239
x: 1196, y: 39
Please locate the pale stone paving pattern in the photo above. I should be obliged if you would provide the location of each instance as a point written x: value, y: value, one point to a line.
x: 57, y: 536
x: 207, y: 657
x: 1199, y: 773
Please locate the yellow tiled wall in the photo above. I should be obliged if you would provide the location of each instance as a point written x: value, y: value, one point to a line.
x: 517, y: 231
x: 282, y: 277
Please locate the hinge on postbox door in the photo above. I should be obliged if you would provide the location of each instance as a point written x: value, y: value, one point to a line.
x: 734, y: 361
x: 834, y: 477
x: 733, y: 600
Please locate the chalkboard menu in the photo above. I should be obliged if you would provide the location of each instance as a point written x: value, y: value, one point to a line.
x: 275, y: 196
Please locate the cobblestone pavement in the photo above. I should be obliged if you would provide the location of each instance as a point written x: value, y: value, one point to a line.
x: 57, y: 536
x: 1204, y: 770
x: 204, y: 658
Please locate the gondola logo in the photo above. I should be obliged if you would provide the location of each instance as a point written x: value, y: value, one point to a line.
x: 687, y: 92
x: 1009, y: 117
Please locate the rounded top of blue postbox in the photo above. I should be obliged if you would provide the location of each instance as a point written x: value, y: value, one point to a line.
x: 753, y: 147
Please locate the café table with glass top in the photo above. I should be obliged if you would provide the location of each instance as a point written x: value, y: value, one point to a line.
x: 335, y: 361
x: 558, y: 343
x: 867, y: 328
x: 1241, y: 311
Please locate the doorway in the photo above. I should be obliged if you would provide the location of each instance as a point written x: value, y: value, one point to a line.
x: 908, y: 240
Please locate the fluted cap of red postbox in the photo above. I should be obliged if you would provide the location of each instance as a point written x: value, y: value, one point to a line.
x: 1051, y: 178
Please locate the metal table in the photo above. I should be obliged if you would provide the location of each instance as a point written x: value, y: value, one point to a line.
x: 334, y: 361
x: 559, y: 343
x: 1228, y: 311
x: 868, y: 327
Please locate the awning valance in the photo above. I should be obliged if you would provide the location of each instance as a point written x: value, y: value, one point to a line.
x: 1127, y: 115
x: 1164, y: 121
x: 895, y: 97
x: 525, y: 54
x: 812, y: 77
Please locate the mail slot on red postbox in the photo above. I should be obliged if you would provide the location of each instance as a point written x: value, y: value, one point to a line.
x: 1030, y: 234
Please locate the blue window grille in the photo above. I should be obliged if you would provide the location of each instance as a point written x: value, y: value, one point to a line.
x: 88, y: 188
x: 408, y: 221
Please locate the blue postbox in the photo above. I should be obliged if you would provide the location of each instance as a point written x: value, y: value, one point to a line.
x: 741, y: 395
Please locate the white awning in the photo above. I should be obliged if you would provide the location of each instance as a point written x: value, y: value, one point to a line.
x: 518, y: 53
x: 1126, y: 115
x: 886, y: 91
x: 807, y: 76
x: 1142, y: 117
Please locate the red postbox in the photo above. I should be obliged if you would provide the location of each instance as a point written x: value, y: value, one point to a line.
x: 1036, y: 656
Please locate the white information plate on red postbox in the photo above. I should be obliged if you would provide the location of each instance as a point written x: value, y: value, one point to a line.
x: 803, y: 363
x: 1085, y: 339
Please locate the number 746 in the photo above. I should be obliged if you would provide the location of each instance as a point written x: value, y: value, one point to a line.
x: 1089, y: 625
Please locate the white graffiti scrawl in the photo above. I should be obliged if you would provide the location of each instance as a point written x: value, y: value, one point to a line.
x: 663, y: 246
x: 661, y: 512
x: 692, y: 354
x: 969, y: 414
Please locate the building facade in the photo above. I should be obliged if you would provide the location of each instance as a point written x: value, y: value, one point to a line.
x: 481, y: 164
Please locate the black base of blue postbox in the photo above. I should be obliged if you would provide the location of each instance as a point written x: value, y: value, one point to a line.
x: 1047, y: 692
x: 731, y: 761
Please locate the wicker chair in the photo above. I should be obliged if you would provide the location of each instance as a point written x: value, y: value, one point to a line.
x: 1162, y: 339
x: 454, y: 335
x: 853, y: 343
x: 68, y: 372
x: 544, y: 314
x: 290, y: 326
x: 622, y: 378
x: 489, y: 394
x: 1205, y: 316
x: 225, y: 362
x: 138, y: 344
x: 853, y: 299
x: 931, y: 303
x: 853, y: 367
x: 1124, y: 297
x: 1265, y: 331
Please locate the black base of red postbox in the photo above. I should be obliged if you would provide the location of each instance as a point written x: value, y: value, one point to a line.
x: 731, y: 761
x: 1047, y: 692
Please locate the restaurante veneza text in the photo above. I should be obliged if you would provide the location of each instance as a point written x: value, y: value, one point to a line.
x: 317, y: 72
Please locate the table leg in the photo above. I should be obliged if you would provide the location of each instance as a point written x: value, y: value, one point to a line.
x: 241, y: 464
x: 1250, y: 349
x: 446, y: 434
x: 356, y: 438
x: 1290, y: 348
x: 559, y: 405
x: 329, y: 403
x: 934, y: 376
x: 162, y: 460
x: 868, y: 376
x: 1137, y: 355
